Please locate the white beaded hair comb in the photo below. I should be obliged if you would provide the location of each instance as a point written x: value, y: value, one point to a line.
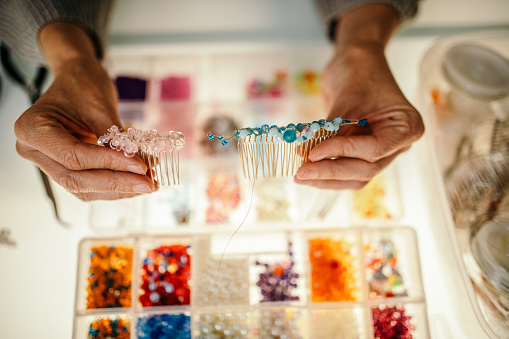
x: 271, y: 151
x: 158, y: 150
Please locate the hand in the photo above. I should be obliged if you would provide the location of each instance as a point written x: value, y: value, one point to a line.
x: 358, y: 84
x: 59, y: 132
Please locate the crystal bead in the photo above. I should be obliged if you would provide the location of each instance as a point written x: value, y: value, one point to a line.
x: 338, y: 120
x: 290, y: 135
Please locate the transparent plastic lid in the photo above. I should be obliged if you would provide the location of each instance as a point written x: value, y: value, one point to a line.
x: 477, y: 70
x: 490, y: 247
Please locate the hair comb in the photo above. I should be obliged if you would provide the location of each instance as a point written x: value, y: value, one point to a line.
x: 158, y: 150
x: 271, y: 151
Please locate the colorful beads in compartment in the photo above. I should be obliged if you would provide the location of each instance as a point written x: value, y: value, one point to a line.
x: 278, y: 280
x: 338, y: 324
x: 225, y: 284
x: 164, y: 326
x: 332, y: 270
x: 391, y: 322
x: 110, y: 275
x: 223, y: 192
x: 382, y: 271
x: 229, y: 325
x: 165, y: 278
x: 279, y: 324
x: 110, y: 328
x: 369, y: 202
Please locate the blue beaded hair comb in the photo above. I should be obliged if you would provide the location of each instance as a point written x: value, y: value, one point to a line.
x: 271, y: 151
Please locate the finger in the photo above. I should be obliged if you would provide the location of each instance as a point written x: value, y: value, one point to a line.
x: 369, y: 148
x: 92, y: 181
x: 104, y: 196
x: 333, y: 184
x: 343, y: 169
x: 65, y: 149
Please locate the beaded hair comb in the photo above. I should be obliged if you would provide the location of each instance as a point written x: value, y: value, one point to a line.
x: 273, y: 150
x: 158, y: 150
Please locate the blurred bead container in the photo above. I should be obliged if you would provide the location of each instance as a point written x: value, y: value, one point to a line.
x: 235, y: 324
x: 468, y: 78
x: 334, y: 268
x: 175, y: 325
x: 303, y: 283
x: 219, y: 282
x: 165, y: 272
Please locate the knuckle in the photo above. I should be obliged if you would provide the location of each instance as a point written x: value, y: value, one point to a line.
x: 69, y: 159
x: 115, y: 184
x: 70, y: 182
x: 358, y: 185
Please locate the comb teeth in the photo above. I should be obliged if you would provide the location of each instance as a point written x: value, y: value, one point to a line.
x: 165, y: 165
x: 262, y: 156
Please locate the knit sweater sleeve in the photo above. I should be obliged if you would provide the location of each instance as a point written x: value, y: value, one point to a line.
x: 22, y: 21
x: 331, y: 10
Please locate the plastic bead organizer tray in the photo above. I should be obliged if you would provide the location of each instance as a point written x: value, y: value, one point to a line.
x: 267, y: 285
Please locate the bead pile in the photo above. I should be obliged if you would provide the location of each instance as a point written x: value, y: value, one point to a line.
x: 337, y: 324
x: 279, y: 324
x: 229, y: 286
x: 165, y: 276
x: 164, y: 326
x: 382, y: 271
x: 391, y: 323
x: 110, y: 275
x: 369, y: 202
x: 229, y: 325
x: 160, y: 151
x: 223, y: 192
x: 272, y: 202
x: 332, y: 270
x: 106, y: 328
x: 271, y: 151
x: 308, y: 82
x: 278, y: 280
x: 274, y: 88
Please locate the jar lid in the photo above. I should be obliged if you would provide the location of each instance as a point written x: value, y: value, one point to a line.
x: 477, y: 70
x: 490, y: 248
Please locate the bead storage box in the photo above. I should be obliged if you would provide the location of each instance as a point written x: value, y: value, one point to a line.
x: 271, y: 282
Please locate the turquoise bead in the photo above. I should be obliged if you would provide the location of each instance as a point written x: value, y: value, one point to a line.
x: 289, y: 135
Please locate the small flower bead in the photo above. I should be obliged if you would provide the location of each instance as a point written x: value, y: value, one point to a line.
x: 237, y: 134
x: 338, y: 120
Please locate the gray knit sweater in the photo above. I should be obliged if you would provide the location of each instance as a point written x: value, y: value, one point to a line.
x: 23, y: 19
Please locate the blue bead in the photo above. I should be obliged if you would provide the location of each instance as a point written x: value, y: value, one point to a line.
x: 299, y: 127
x: 237, y: 134
x: 224, y: 142
x: 249, y: 131
x: 290, y: 126
x: 257, y: 131
x: 265, y: 128
x: 221, y: 137
x: 321, y: 122
x: 338, y: 120
x: 289, y: 135
x: 346, y: 121
x: 281, y: 129
x: 363, y: 122
x: 210, y: 136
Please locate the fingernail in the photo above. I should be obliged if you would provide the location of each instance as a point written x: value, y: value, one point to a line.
x: 310, y: 174
x: 135, y: 169
x: 321, y: 157
x: 142, y: 189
